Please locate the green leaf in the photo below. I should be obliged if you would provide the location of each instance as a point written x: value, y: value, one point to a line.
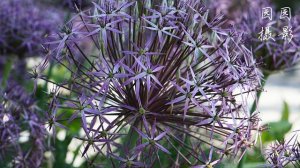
x: 276, y: 131
x: 285, y: 112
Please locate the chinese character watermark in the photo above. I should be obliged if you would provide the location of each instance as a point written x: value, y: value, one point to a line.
x: 267, y: 13
x: 285, y: 13
x: 287, y: 34
x: 265, y: 34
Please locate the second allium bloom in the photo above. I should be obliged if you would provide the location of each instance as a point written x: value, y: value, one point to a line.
x: 23, y: 25
x: 161, y: 82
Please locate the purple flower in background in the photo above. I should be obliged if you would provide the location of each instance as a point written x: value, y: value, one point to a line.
x: 19, y: 117
x: 23, y: 26
x: 284, y: 153
x: 275, y: 53
x: 160, y: 79
x: 73, y: 4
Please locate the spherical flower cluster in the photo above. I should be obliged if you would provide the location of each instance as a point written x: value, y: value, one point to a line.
x: 162, y: 82
x: 284, y: 153
x: 274, y: 52
x: 19, y: 117
x: 277, y: 53
x: 23, y: 26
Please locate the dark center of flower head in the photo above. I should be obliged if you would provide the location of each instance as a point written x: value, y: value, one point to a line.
x: 216, y: 117
x: 51, y: 121
x: 151, y: 142
x: 80, y: 107
x: 142, y: 111
x: 110, y: 75
x: 189, y: 95
x: 142, y: 52
x: 129, y: 163
x: 246, y: 142
x: 287, y: 153
x: 52, y: 93
x: 227, y: 152
x: 198, y: 84
x: 208, y: 165
x: 90, y: 142
x: 64, y: 52
x: 66, y: 30
x: 149, y: 71
x: 225, y: 94
x: 103, y: 133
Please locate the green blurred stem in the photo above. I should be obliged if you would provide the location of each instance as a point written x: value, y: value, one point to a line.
x: 242, y: 161
x: 254, y: 107
x: 258, y: 93
x: 49, y: 74
x: 6, y: 71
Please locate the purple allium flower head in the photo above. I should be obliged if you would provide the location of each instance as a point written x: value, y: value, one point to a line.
x: 23, y: 26
x: 284, y: 153
x: 161, y: 79
x: 276, y: 53
x: 19, y: 117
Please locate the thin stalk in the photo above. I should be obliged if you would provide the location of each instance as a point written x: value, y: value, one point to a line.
x: 49, y: 75
x: 6, y: 71
x: 258, y: 93
x: 253, y: 108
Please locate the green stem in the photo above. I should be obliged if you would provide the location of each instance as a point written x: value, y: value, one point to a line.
x: 6, y: 71
x: 253, y: 108
x: 49, y: 75
x: 258, y: 93
x: 242, y: 161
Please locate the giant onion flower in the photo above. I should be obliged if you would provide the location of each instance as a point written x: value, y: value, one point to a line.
x: 275, y: 54
x: 285, y: 153
x: 162, y: 83
x: 20, y: 116
x: 24, y: 24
